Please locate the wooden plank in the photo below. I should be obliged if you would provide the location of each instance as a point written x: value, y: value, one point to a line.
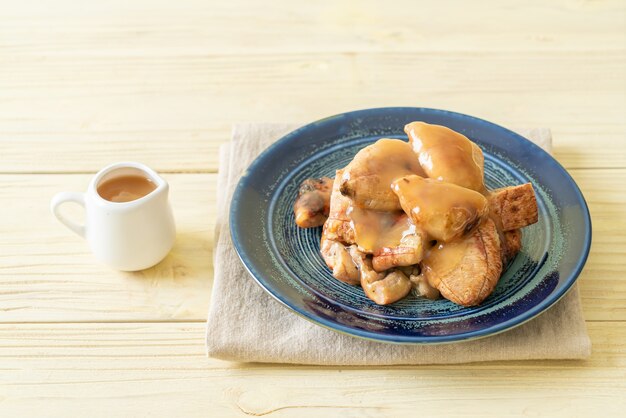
x: 173, y: 80
x: 97, y: 369
x: 82, y: 85
x: 172, y: 112
x: 244, y: 26
x: 47, y: 273
x: 602, y: 279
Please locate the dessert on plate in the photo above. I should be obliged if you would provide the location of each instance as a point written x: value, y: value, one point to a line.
x: 416, y: 216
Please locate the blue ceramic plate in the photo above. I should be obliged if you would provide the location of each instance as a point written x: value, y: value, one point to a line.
x: 285, y: 259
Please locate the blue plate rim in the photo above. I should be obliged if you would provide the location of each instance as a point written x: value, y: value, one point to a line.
x: 399, y: 339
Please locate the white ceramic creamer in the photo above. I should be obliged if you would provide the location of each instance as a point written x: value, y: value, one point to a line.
x: 127, y: 236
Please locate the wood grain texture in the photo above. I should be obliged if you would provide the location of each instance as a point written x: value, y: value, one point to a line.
x: 245, y: 26
x: 50, y: 275
x: 83, y: 84
x: 160, y: 369
x: 163, y: 109
x: 602, y: 279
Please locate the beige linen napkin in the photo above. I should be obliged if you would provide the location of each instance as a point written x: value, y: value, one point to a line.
x: 246, y: 324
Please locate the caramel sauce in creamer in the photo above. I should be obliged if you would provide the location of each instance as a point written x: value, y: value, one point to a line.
x: 447, y: 155
x: 126, y: 188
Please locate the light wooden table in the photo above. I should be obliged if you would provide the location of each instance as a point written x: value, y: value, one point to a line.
x: 83, y: 84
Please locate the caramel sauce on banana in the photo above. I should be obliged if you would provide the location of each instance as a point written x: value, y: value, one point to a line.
x: 367, y: 179
x: 387, y: 159
x: 447, y: 155
x: 444, y: 210
x: 375, y: 230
